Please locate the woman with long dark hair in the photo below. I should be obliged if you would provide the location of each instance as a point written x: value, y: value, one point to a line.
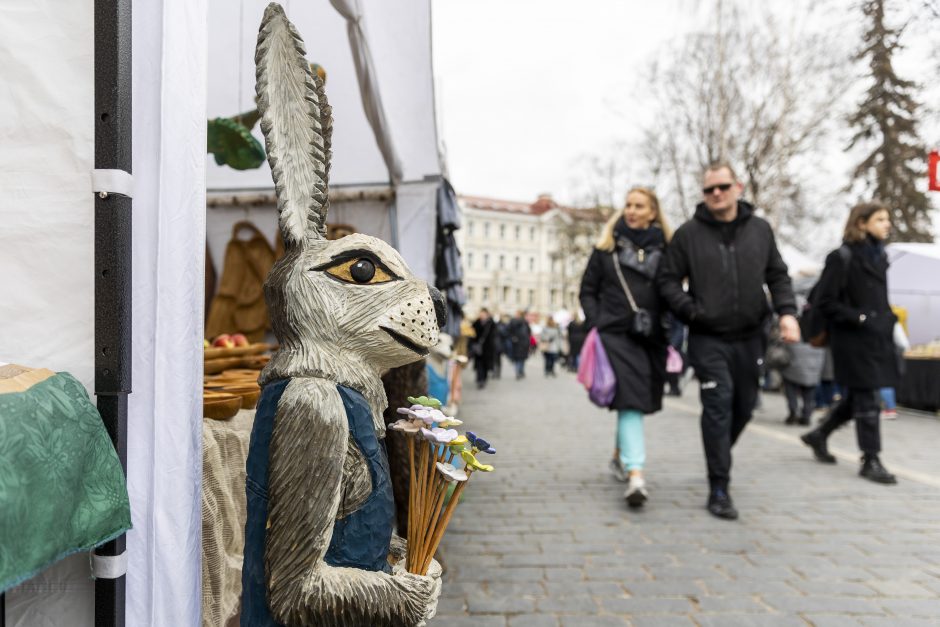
x: 620, y: 299
x: 852, y: 294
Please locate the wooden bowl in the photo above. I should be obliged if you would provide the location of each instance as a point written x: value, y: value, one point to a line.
x: 248, y: 393
x: 220, y: 406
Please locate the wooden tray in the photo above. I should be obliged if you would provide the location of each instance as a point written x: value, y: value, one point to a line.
x: 217, y: 352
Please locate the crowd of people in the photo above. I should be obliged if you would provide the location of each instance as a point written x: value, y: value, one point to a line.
x: 714, y: 295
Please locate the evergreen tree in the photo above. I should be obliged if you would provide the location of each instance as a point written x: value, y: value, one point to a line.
x: 888, y: 116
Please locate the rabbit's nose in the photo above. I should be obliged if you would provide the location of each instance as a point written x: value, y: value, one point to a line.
x: 439, y: 309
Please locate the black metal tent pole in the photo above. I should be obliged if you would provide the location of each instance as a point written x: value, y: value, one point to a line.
x: 112, y: 261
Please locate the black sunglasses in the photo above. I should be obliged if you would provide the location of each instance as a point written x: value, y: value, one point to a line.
x: 721, y: 186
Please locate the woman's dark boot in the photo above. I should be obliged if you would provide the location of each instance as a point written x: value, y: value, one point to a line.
x: 816, y: 440
x: 874, y: 471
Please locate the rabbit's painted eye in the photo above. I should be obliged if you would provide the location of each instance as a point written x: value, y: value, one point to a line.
x: 362, y: 271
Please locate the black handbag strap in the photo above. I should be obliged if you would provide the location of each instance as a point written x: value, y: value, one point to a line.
x: 623, y: 282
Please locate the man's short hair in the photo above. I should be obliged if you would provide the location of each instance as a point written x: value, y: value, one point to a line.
x: 714, y: 166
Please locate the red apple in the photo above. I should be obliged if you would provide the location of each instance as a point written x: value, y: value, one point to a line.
x: 240, y: 340
x: 223, y: 341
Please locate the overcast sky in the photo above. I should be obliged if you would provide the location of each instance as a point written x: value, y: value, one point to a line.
x: 525, y: 87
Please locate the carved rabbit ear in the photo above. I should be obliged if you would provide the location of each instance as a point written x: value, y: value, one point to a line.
x: 297, y: 124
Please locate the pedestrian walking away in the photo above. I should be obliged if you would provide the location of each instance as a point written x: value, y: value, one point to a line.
x: 550, y: 344
x: 519, y: 334
x: 800, y: 378
x: 620, y: 298
x: 727, y: 255
x: 483, y: 346
x: 852, y: 295
x: 577, y: 331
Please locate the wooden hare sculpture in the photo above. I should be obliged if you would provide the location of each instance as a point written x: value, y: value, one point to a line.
x: 319, y: 548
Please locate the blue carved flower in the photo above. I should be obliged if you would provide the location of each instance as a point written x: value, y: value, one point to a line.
x: 479, y: 443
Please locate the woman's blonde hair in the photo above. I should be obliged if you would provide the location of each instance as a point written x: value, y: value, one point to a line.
x: 606, y: 240
x: 860, y: 213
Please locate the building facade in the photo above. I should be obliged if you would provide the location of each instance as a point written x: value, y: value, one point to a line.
x: 524, y: 256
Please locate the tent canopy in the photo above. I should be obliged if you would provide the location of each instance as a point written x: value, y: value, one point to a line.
x: 914, y: 284
x: 399, y: 38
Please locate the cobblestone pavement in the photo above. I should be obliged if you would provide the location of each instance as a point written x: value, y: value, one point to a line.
x: 548, y: 541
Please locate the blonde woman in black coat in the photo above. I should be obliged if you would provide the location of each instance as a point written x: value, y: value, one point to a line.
x: 853, y: 297
x: 634, y: 240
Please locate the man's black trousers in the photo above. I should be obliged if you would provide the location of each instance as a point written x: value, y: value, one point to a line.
x: 728, y: 373
x: 864, y: 406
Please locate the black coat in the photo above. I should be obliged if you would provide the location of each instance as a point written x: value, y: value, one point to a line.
x: 577, y: 331
x: 727, y: 265
x: 863, y: 353
x: 485, y: 338
x: 639, y: 364
x: 519, y: 339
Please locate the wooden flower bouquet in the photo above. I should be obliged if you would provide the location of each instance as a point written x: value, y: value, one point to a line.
x: 433, y: 447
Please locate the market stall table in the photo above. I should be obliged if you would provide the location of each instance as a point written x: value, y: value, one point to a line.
x: 920, y: 384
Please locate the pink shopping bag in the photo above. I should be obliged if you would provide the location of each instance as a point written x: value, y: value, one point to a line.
x: 598, y: 375
x: 673, y: 360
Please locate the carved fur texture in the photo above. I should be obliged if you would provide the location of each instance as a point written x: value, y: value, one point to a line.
x: 336, y: 324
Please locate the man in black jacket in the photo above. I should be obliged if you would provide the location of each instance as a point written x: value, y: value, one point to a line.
x: 728, y: 255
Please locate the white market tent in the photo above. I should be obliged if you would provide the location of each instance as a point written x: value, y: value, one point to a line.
x: 191, y: 61
x: 914, y: 284
x: 397, y: 147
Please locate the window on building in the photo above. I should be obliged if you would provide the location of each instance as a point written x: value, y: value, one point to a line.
x: 505, y: 294
x: 486, y: 261
x: 470, y: 294
x: 502, y: 262
x: 486, y: 229
x: 486, y: 295
x: 518, y: 296
x: 518, y: 230
x: 469, y: 260
x: 502, y: 231
x: 532, y: 233
x: 515, y: 263
x: 554, y: 298
x: 470, y: 228
x: 531, y: 264
x: 531, y: 297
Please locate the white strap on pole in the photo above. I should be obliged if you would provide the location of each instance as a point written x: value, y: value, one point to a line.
x: 106, y: 182
x: 108, y: 566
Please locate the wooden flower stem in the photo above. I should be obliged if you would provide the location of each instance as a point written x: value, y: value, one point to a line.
x: 432, y: 495
x: 411, y: 496
x: 442, y: 523
x: 414, y: 549
x: 432, y: 523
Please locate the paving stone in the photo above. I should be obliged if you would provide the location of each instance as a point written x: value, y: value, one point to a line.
x: 915, y: 608
x: 830, y: 620
x: 748, y: 620
x: 901, y: 589
x: 664, y: 588
x: 579, y: 604
x: 647, y: 606
x: 832, y: 605
x: 533, y: 620
x: 661, y: 620
x: 593, y: 621
x: 729, y: 604
x: 499, y: 604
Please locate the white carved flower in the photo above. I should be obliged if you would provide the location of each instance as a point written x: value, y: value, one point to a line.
x: 438, y: 435
x: 452, y: 473
x: 449, y: 422
x: 406, y: 426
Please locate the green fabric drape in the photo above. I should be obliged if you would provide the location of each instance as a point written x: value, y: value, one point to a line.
x: 61, y: 485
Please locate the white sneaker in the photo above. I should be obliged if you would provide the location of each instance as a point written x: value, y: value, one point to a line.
x: 616, y: 469
x: 636, y: 494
